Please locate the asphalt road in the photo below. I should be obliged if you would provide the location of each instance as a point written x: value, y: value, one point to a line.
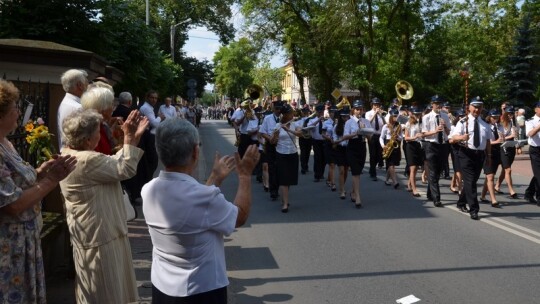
x: 326, y: 251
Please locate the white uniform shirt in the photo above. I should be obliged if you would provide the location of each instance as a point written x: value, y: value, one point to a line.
x: 430, y: 123
x: 353, y: 125
x: 69, y: 104
x: 187, y: 221
x: 328, y: 125
x: 386, y: 133
x: 269, y: 124
x: 168, y: 112
x: 369, y: 115
x: 530, y: 124
x: 484, y: 130
x: 413, y: 130
x: 314, y: 122
x: 148, y: 111
x: 286, y: 141
x: 253, y: 125
x: 499, y: 128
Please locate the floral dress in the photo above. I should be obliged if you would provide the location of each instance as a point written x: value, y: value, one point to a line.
x: 22, y: 279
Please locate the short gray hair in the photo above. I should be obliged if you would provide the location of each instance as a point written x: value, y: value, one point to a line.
x: 100, y: 84
x: 70, y: 78
x: 78, y: 126
x: 124, y: 97
x: 97, y: 98
x: 175, y: 139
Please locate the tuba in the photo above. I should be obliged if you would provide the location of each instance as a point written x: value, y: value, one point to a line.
x: 252, y: 95
x: 343, y: 103
x: 404, y: 91
x: 392, y: 143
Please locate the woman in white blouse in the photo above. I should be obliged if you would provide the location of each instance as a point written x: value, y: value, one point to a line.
x: 287, y: 161
x: 391, y: 129
x: 340, y: 149
x: 187, y: 220
x: 414, y: 153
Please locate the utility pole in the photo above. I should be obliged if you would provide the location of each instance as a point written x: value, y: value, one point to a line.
x: 173, y: 32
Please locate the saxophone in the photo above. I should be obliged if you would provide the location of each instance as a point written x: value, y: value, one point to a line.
x: 392, y: 143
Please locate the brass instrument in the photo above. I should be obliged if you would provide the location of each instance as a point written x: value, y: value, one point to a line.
x: 252, y: 95
x: 343, y: 103
x: 392, y: 143
x: 404, y: 91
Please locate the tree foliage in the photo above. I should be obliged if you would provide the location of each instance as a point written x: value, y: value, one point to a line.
x: 233, y: 65
x: 116, y: 30
x: 269, y: 78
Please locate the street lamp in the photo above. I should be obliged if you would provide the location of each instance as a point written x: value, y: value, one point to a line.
x: 173, y: 31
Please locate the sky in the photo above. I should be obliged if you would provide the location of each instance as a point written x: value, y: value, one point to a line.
x: 202, y: 44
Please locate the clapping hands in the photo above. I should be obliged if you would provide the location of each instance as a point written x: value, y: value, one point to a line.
x: 134, y: 127
x: 57, y: 168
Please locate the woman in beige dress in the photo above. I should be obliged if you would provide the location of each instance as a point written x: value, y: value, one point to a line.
x: 95, y: 210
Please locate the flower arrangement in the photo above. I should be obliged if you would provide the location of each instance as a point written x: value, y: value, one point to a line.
x: 39, y: 138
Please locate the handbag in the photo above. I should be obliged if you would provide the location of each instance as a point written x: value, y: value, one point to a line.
x: 131, y: 214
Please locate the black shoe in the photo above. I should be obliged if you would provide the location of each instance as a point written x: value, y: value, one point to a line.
x: 495, y: 205
x: 265, y: 189
x: 396, y: 185
x: 374, y: 178
x: 463, y: 209
x: 530, y: 199
x: 274, y: 196
x: 474, y: 216
x: 285, y: 210
x: 483, y: 200
x: 514, y: 196
x: 437, y: 204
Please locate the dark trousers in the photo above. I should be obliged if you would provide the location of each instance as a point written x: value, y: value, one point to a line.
x: 375, y: 154
x: 272, y: 171
x: 245, y: 141
x: 404, y: 148
x: 305, y: 150
x: 446, y: 165
x: 318, y: 158
x: 435, y: 154
x: 534, y: 185
x: 145, y: 168
x: 472, y: 162
x: 216, y: 296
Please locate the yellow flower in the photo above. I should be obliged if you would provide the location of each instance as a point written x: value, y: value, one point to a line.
x: 29, y: 126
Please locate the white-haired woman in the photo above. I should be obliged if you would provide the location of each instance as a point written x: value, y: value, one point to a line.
x: 95, y: 212
x: 187, y: 220
x: 101, y: 100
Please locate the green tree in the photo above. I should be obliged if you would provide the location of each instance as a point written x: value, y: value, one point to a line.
x: 521, y: 73
x: 269, y: 78
x: 233, y: 65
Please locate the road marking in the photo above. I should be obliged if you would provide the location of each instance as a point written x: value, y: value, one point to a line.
x: 507, y: 226
x: 408, y: 300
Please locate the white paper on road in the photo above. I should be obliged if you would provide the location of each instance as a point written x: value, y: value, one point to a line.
x: 408, y: 300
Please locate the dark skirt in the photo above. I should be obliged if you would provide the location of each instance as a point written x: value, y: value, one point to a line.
x: 394, y: 158
x: 328, y: 153
x: 356, y: 155
x: 414, y: 153
x: 263, y: 158
x: 287, y: 169
x: 495, y: 160
x: 340, y: 155
x: 507, y: 157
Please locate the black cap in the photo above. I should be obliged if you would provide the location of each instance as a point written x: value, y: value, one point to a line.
x: 319, y: 108
x: 376, y: 100
x: 286, y: 108
x: 359, y: 103
x: 510, y: 109
x: 436, y: 99
x: 416, y: 110
x: 394, y: 111
x: 476, y: 101
x: 494, y: 112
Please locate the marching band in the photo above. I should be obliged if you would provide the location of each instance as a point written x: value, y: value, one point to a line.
x: 286, y: 137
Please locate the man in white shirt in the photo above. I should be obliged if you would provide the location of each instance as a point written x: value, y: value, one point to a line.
x: 435, y: 128
x: 147, y: 143
x: 475, y: 137
x: 267, y: 131
x: 375, y: 150
x: 167, y: 109
x: 532, y: 130
x: 74, y: 83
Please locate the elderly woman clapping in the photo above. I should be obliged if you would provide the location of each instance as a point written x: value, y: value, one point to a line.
x: 101, y: 99
x: 187, y: 220
x: 94, y: 208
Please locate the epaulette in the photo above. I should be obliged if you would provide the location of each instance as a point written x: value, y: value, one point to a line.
x: 530, y: 119
x: 463, y: 120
